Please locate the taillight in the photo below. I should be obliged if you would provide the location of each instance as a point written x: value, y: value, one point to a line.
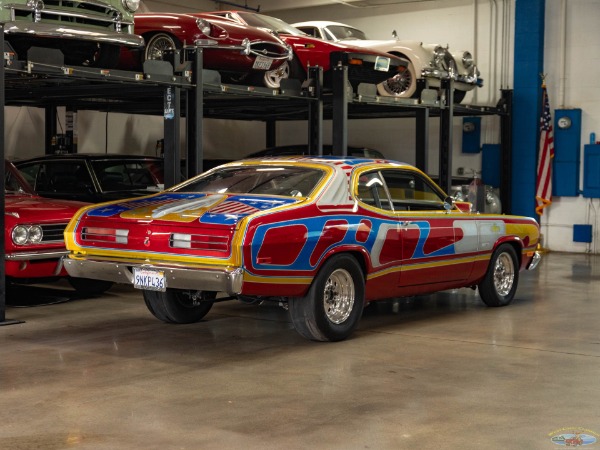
x: 98, y: 234
x: 199, y: 242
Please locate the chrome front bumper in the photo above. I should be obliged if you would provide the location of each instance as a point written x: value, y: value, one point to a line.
x: 44, y: 30
x: 30, y: 256
x: 537, y: 257
x: 201, y: 278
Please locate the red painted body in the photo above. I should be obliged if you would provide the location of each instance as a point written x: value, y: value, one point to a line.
x: 184, y: 29
x: 23, y: 207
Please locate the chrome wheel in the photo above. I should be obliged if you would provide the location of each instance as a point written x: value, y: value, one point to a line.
x: 504, y: 274
x: 272, y: 78
x: 158, y: 45
x: 338, y: 296
x: 399, y: 84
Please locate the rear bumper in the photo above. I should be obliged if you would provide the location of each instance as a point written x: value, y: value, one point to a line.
x: 537, y: 256
x: 201, y: 278
x: 44, y: 31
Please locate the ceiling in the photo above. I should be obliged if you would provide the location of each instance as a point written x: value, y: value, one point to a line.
x: 262, y: 5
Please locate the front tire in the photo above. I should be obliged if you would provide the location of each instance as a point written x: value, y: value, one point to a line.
x: 401, y: 85
x: 158, y: 44
x: 333, y: 305
x: 179, y: 306
x: 499, y: 285
x: 289, y: 69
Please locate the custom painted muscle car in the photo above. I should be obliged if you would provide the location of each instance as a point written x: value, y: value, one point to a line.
x: 88, y: 32
x: 364, y: 65
x: 426, y: 61
x: 321, y: 235
x: 33, y: 235
x: 237, y: 51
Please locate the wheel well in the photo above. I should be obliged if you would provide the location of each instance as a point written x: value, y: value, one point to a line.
x: 517, y: 248
x: 358, y: 256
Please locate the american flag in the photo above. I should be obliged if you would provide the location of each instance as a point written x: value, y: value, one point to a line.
x: 543, y: 193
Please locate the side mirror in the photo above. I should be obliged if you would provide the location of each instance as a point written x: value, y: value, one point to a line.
x: 448, y: 204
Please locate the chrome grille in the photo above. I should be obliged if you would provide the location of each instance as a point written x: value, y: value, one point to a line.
x: 53, y: 232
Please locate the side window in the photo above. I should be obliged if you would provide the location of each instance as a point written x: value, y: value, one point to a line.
x: 371, y: 190
x: 410, y: 191
x: 30, y: 173
x: 66, y: 176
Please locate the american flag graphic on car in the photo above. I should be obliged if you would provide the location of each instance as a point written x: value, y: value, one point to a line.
x: 236, y: 207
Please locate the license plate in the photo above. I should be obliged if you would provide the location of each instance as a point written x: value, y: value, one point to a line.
x: 262, y: 63
x: 382, y: 63
x: 149, y: 279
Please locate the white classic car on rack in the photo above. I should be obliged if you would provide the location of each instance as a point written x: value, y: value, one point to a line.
x: 432, y: 62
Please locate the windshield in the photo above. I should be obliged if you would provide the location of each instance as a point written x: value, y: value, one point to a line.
x: 271, y: 180
x: 272, y: 23
x: 129, y: 175
x: 340, y: 33
x: 13, y: 183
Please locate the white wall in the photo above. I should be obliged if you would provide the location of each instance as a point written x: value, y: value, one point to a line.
x: 582, y: 90
x: 475, y: 25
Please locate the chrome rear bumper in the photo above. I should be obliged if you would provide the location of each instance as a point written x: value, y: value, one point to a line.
x: 201, y: 278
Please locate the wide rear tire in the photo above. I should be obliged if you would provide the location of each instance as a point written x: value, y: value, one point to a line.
x: 333, y: 305
x: 179, y: 306
x: 499, y: 285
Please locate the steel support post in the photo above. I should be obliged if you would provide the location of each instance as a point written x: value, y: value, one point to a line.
x: 49, y: 129
x: 506, y: 144
x: 422, y: 139
x: 195, y: 115
x: 3, y: 320
x: 270, y: 133
x: 172, y: 120
x: 340, y: 110
x: 315, y: 112
x: 446, y: 116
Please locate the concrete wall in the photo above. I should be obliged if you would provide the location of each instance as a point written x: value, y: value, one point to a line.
x: 476, y: 25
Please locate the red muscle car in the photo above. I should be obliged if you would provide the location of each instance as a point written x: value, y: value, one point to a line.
x: 33, y: 236
x: 364, y: 65
x: 322, y: 236
x: 236, y: 51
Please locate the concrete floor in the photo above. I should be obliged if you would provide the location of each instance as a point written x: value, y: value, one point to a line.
x: 435, y: 372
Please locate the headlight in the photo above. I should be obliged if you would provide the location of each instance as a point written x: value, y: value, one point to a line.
x: 467, y: 60
x: 23, y: 235
x: 203, y: 26
x: 19, y: 235
x: 35, y: 234
x: 438, y: 56
x: 131, y: 5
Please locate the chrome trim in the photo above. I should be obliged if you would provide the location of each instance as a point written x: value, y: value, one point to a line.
x: 61, y: 31
x: 202, y: 278
x: 50, y: 254
x: 537, y: 257
x: 245, y: 48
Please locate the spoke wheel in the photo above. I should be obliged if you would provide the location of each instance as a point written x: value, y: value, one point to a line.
x: 333, y: 305
x: 499, y: 285
x: 158, y: 44
x: 402, y: 85
x: 179, y: 306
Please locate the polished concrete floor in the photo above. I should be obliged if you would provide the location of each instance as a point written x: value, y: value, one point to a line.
x: 435, y: 372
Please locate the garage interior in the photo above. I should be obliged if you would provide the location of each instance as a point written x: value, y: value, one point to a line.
x: 436, y: 371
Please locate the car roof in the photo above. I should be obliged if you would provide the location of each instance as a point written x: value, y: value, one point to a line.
x: 89, y: 157
x: 320, y: 23
x: 326, y: 160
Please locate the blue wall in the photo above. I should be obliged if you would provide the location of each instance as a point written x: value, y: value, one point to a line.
x: 529, y: 64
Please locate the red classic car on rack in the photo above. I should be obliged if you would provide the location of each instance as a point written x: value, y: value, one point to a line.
x: 364, y: 65
x: 33, y: 235
x: 236, y: 51
x: 322, y: 236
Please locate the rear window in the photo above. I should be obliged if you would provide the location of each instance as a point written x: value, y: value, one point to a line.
x: 271, y: 180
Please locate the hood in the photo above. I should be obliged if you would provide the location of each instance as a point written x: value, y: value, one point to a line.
x: 32, y: 208
x: 217, y: 209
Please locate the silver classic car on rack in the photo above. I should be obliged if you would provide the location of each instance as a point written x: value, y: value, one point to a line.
x: 88, y: 32
x: 432, y: 62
